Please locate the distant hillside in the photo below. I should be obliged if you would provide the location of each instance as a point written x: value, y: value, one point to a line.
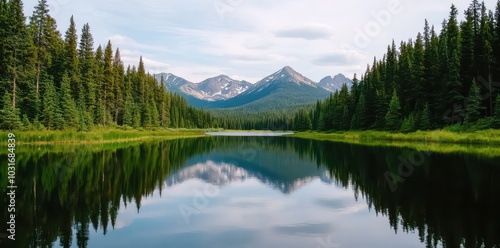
x: 335, y: 83
x: 282, y: 91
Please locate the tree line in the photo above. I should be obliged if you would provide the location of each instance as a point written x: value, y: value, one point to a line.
x: 49, y: 81
x: 433, y: 81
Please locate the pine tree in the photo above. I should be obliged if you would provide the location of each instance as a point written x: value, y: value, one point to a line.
x: 9, y: 117
x: 27, y: 126
x: 40, y: 24
x: 118, y: 101
x: 128, y: 111
x: 108, y: 86
x: 484, y: 54
x: 51, y: 114
x: 408, y: 124
x: 98, y: 76
x: 473, y: 107
x: 17, y: 52
x: 495, y: 123
x: 393, y: 116
x: 405, y: 73
x: 70, y: 112
x: 85, y: 119
x: 467, y: 71
x: 165, y: 104
x: 71, y: 58
x: 418, y: 73
x: 452, y: 93
x: 496, y: 45
x: 358, y: 117
x: 424, y: 120
x: 137, y: 116
x: 88, y: 69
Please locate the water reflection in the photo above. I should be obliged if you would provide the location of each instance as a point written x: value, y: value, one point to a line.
x: 263, y: 192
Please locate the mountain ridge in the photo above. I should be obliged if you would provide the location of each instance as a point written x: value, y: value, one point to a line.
x: 282, y: 89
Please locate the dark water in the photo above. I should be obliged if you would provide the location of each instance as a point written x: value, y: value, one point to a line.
x: 252, y: 192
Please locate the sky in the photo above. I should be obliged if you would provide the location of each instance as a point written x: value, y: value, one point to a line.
x: 251, y: 39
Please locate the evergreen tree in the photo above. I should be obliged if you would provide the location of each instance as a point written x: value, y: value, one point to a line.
x: 418, y: 73
x: 9, y: 119
x: 40, y: 25
x: 452, y: 94
x: 71, y: 58
x: 393, y: 116
x: 51, y: 114
x: 137, y: 116
x: 108, y: 87
x: 118, y: 101
x: 473, y: 104
x: 99, y: 95
x: 164, y: 104
x: 16, y: 53
x: 358, y: 117
x: 484, y: 56
x: 70, y: 112
x: 424, y: 120
x: 496, y: 116
x: 496, y: 45
x: 27, y: 126
x: 128, y: 111
x: 85, y: 119
x: 467, y: 71
x: 408, y: 124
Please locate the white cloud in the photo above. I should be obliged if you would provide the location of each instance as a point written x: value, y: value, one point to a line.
x: 253, y: 38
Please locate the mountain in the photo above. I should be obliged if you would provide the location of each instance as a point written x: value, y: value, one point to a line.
x: 176, y: 84
x: 335, y: 83
x: 213, y: 89
x: 223, y: 167
x: 283, y: 89
x: 221, y: 88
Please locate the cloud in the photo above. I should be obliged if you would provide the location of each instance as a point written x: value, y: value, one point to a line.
x: 331, y: 59
x: 313, y: 32
x: 188, y: 36
x: 340, y: 57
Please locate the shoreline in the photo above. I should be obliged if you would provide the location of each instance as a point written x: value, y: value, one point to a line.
x: 435, y: 141
x: 102, y: 136
x: 484, y: 137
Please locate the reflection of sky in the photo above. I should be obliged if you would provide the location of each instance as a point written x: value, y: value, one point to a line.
x: 251, y: 214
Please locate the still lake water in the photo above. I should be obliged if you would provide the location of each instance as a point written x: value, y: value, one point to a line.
x: 252, y: 192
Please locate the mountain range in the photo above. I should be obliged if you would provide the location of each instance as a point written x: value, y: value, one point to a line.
x: 285, y: 88
x: 221, y: 168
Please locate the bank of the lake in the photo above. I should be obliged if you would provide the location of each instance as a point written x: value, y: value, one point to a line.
x: 485, y: 142
x: 99, y: 136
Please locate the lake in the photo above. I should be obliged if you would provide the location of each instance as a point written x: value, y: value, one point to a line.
x: 261, y: 192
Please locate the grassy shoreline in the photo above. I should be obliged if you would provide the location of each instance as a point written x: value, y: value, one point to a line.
x: 483, y: 137
x: 98, y: 136
x: 484, y: 143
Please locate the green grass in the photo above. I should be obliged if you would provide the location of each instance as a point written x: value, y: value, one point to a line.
x: 97, y: 136
x: 484, y: 142
x: 487, y: 137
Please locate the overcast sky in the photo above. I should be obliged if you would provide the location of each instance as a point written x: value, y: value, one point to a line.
x: 250, y: 39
